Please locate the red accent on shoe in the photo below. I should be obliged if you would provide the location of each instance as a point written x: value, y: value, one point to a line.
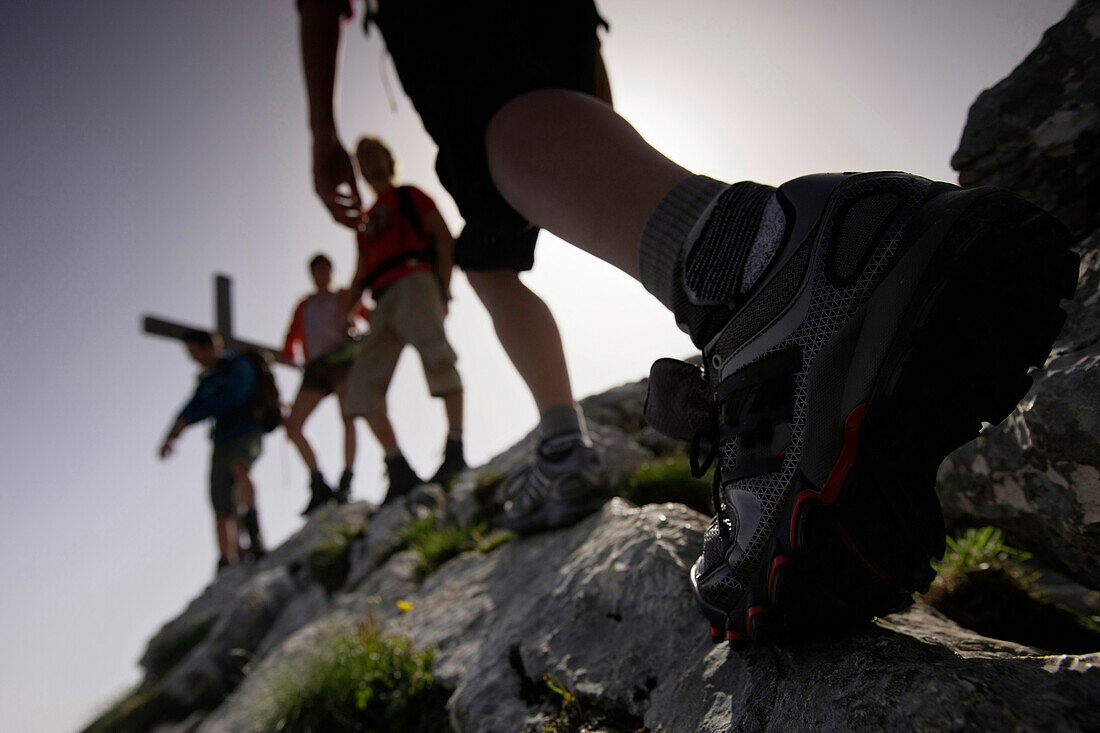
x: 717, y: 634
x: 777, y: 562
x: 831, y: 490
x: 734, y: 636
x: 753, y: 613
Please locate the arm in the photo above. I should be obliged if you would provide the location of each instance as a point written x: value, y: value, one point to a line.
x: 170, y: 439
x: 444, y: 249
x: 333, y: 175
x: 295, y: 334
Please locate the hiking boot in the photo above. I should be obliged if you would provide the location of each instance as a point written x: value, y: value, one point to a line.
x: 343, y: 489
x: 897, y: 316
x: 567, y: 482
x: 320, y: 493
x: 453, y: 463
x: 401, y: 477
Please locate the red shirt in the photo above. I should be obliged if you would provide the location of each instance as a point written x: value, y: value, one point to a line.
x: 386, y: 237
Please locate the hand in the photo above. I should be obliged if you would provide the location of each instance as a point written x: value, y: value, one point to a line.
x: 166, y: 448
x: 334, y: 180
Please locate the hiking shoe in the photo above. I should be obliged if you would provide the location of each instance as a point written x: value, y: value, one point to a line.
x: 320, y: 493
x: 567, y: 482
x: 897, y: 317
x: 453, y: 463
x: 343, y: 489
x: 401, y: 477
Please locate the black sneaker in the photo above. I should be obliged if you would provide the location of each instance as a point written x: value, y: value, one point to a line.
x: 453, y: 463
x: 567, y: 482
x: 401, y: 477
x: 343, y: 489
x: 898, y: 316
x: 320, y: 493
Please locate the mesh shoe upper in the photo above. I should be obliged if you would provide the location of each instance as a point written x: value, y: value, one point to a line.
x: 566, y: 482
x: 811, y: 275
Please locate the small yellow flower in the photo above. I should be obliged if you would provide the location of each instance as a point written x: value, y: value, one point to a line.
x: 404, y: 606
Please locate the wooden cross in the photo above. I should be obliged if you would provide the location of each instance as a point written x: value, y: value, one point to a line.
x: 223, y: 287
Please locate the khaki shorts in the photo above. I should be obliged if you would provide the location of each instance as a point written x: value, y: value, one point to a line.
x: 409, y: 313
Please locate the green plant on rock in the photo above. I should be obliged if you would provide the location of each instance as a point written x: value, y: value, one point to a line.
x: 982, y: 548
x: 435, y: 545
x: 355, y: 679
x: 570, y: 716
x: 328, y: 559
x: 667, y: 479
x: 141, y: 710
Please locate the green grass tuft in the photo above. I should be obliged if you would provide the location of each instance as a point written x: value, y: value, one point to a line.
x: 667, y: 479
x: 435, y: 546
x: 355, y: 679
x: 139, y: 711
x: 983, y: 548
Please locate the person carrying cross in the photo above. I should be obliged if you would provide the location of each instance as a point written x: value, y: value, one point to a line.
x: 228, y: 391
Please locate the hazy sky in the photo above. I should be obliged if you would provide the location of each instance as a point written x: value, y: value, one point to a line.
x: 148, y: 145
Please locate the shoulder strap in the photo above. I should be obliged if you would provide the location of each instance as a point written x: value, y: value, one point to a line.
x: 407, y: 209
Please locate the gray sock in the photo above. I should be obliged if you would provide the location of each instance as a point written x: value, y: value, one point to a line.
x: 562, y: 419
x: 705, y: 245
x: 668, y: 231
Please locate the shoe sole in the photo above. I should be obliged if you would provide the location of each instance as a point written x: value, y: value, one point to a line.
x: 860, y: 544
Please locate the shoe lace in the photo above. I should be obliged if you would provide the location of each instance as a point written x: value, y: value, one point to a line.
x: 750, y: 406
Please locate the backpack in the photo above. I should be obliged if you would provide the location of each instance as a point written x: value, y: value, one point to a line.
x: 265, y: 411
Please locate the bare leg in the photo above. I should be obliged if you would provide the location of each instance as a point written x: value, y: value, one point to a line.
x: 227, y: 536
x: 528, y: 333
x: 246, y: 491
x: 380, y: 425
x: 246, y: 494
x: 571, y: 165
x: 452, y: 403
x: 304, y: 405
x: 350, y: 439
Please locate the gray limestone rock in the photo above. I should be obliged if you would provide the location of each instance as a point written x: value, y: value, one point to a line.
x: 215, y: 666
x: 1037, y: 474
x: 1037, y: 132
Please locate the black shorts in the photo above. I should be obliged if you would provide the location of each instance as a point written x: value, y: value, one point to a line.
x: 460, y: 63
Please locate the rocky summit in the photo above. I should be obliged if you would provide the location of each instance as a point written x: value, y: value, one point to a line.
x: 593, y: 628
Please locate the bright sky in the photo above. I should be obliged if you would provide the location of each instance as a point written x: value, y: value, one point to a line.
x: 149, y: 145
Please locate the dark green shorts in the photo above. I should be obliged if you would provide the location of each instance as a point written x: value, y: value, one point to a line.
x: 244, y: 448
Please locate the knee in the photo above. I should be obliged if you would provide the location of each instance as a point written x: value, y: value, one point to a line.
x: 510, y: 131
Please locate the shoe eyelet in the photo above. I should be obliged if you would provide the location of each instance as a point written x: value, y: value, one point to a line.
x: 716, y: 361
